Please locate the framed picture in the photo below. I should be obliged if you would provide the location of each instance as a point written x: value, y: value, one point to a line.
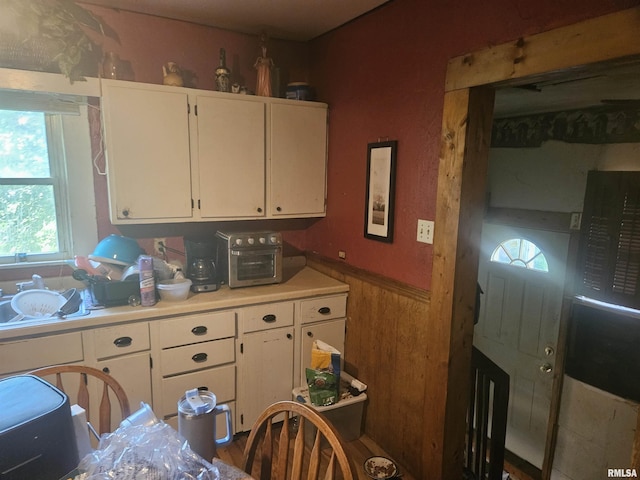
x: 381, y: 179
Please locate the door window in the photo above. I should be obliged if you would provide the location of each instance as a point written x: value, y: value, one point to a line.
x: 519, y: 252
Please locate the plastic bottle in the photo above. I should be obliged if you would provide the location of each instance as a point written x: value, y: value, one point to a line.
x: 147, y: 281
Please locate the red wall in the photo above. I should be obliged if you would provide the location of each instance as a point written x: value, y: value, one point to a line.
x: 383, y: 76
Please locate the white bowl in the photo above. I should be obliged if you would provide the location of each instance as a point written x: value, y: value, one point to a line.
x: 174, y: 290
x: 380, y: 468
x: 37, y: 303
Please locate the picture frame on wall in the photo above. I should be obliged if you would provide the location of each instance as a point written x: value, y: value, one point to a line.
x: 379, y: 200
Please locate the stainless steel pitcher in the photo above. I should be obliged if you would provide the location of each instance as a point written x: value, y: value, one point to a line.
x: 197, y: 412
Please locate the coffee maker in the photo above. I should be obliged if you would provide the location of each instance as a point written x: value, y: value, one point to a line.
x: 201, y: 265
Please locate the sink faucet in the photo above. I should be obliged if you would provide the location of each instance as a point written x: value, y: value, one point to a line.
x: 36, y: 282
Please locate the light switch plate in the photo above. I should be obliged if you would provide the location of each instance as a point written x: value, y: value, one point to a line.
x: 425, y: 231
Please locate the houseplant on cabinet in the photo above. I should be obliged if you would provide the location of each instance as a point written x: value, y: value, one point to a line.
x: 50, y: 35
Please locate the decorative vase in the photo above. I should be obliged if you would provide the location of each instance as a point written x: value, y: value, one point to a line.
x: 223, y: 73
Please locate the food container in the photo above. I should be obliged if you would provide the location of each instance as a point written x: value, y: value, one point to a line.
x: 298, y: 91
x: 174, y: 290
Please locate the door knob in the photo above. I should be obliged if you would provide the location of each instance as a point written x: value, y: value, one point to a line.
x: 548, y: 351
x: 546, y: 368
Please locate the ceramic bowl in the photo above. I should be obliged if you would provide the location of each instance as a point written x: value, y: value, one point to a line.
x: 174, y: 290
x: 380, y: 468
x: 117, y: 250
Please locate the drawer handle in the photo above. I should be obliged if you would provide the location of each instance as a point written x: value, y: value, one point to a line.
x: 122, y: 342
x: 199, y: 357
x: 270, y: 318
x: 199, y: 330
x: 324, y: 310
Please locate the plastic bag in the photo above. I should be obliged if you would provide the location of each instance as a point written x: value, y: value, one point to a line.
x: 323, y: 378
x: 143, y: 452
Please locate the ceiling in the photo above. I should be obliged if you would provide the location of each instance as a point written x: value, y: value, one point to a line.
x: 299, y: 20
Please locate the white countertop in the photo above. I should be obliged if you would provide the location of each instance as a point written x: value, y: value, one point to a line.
x: 297, y: 283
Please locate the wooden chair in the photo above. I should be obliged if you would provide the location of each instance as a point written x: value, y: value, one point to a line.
x: 489, y: 401
x: 82, y: 399
x: 262, y: 435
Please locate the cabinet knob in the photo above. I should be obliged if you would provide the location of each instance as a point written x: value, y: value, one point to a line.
x: 106, y: 370
x: 122, y: 342
x: 289, y: 336
x: 199, y: 330
x: 199, y: 357
x: 324, y: 310
x: 259, y: 210
x: 309, y: 334
x: 279, y: 209
x: 125, y: 212
x: 270, y: 318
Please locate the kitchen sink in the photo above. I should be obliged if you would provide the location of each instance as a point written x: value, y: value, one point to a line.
x: 8, y: 317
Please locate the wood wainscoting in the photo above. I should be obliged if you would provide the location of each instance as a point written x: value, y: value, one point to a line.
x: 386, y: 347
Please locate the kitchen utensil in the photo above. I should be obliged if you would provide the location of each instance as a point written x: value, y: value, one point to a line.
x: 117, y: 250
x: 37, y: 303
x: 380, y: 468
x: 197, y: 411
x: 74, y: 300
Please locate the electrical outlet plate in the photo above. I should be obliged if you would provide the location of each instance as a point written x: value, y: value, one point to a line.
x: 158, y: 249
x: 425, y: 231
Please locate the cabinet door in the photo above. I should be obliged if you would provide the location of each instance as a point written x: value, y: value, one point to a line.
x: 231, y: 157
x: 147, y: 146
x: 331, y: 332
x: 298, y: 156
x: 267, y: 373
x: 133, y: 372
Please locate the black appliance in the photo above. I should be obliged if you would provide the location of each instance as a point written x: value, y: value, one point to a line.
x: 201, y: 265
x: 37, y: 438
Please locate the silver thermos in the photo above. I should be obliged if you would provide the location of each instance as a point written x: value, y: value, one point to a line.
x: 197, y: 412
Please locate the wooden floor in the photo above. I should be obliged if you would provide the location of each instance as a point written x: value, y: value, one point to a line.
x: 357, y: 451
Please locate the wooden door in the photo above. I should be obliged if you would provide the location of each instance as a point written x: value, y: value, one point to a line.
x: 518, y: 326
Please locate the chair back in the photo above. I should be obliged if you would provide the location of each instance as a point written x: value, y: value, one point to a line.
x: 486, y: 419
x: 286, y: 456
x: 83, y: 376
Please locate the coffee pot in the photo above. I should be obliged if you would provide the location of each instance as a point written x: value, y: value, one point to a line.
x: 197, y: 412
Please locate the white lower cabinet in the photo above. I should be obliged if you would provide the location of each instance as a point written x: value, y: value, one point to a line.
x: 194, y: 351
x: 122, y: 351
x: 266, y: 359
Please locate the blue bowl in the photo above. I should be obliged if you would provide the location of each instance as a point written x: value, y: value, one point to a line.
x: 118, y: 250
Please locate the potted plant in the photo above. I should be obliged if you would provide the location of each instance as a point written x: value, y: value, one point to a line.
x: 50, y: 35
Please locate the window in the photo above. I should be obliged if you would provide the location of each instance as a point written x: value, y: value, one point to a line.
x: 519, y: 252
x: 44, y: 159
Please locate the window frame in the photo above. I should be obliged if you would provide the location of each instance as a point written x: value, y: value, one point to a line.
x: 78, y: 190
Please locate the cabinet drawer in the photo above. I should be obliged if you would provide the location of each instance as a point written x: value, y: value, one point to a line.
x: 24, y: 355
x: 197, y: 356
x: 197, y: 328
x: 323, y: 308
x: 121, y: 339
x: 221, y: 381
x: 265, y: 317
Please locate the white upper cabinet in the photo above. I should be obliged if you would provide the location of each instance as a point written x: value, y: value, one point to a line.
x: 298, y: 159
x: 176, y: 154
x: 147, y: 143
x: 231, y: 153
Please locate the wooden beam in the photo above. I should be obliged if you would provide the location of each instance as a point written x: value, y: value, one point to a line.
x: 466, y: 134
x: 592, y: 41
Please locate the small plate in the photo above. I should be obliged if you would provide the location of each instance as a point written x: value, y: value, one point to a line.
x: 380, y: 468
